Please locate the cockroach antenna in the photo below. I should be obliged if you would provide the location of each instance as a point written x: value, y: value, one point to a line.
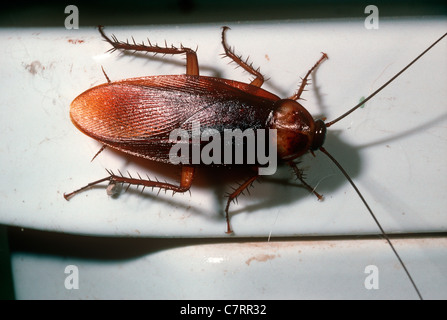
x: 343, y: 171
x: 382, y: 231
x: 117, y: 114
x: 330, y: 123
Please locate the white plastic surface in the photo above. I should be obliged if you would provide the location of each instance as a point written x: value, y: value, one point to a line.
x: 229, y: 271
x: 394, y: 149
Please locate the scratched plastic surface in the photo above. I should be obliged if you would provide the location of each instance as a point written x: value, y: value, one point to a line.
x: 192, y: 269
x: 394, y: 149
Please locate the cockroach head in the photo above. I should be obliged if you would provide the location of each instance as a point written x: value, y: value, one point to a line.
x: 319, y: 135
x: 297, y: 131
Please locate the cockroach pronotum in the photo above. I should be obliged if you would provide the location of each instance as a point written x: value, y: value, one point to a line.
x: 137, y: 115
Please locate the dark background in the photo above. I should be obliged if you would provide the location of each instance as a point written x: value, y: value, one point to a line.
x: 132, y: 12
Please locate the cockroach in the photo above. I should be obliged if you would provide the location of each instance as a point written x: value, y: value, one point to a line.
x: 137, y: 115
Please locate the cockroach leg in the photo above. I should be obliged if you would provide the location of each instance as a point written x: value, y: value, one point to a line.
x: 304, y: 81
x: 187, y: 177
x: 300, y: 176
x: 67, y: 196
x: 259, y: 78
x: 235, y: 194
x: 192, y: 64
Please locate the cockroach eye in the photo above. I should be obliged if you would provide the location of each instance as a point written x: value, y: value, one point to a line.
x: 319, y: 135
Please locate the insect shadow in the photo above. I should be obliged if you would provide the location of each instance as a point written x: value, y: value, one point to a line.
x: 209, y: 70
x: 284, y: 189
x: 266, y: 194
x: 280, y: 189
x: 321, y: 173
x: 407, y: 133
x: 277, y: 190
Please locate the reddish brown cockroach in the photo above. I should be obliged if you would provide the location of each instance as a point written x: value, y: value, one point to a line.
x: 136, y: 116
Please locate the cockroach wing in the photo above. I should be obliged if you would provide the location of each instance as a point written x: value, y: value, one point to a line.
x: 137, y: 115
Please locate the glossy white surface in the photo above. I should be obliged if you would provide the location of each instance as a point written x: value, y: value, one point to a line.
x: 251, y: 270
x: 394, y: 148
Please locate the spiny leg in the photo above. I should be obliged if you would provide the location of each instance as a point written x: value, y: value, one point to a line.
x: 192, y: 64
x: 299, y: 175
x: 304, y: 81
x: 187, y: 176
x: 235, y: 194
x: 259, y: 78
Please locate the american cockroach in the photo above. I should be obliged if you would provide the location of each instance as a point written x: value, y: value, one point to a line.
x: 137, y: 116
